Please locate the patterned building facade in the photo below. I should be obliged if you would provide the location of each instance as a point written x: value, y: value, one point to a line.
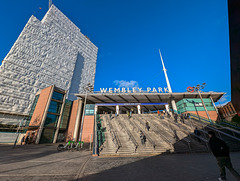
x: 52, y: 51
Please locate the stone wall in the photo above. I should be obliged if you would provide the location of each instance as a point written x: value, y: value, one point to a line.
x: 45, y: 54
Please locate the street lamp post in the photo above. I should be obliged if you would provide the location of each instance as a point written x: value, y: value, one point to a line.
x: 197, y: 89
x: 87, y: 88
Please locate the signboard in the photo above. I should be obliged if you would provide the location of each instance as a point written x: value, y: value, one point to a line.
x: 134, y: 90
x: 130, y: 104
x: 198, y: 104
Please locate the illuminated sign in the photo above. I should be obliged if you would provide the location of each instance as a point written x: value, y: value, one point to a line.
x: 190, y: 89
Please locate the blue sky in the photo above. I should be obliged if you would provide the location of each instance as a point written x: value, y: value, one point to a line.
x: 192, y: 36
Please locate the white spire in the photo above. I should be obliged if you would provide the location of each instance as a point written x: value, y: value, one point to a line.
x: 165, y: 72
x: 49, y: 4
x: 174, y: 106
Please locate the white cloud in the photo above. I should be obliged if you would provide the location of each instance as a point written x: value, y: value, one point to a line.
x: 224, y: 100
x: 126, y: 84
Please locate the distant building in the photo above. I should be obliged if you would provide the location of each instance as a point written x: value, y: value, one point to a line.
x: 52, y: 51
x: 234, y: 32
x: 227, y: 111
x: 195, y: 107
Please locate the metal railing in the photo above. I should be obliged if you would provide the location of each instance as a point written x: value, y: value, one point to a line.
x: 147, y: 136
x: 234, y: 133
x: 157, y: 131
x: 123, y: 126
x: 114, y: 135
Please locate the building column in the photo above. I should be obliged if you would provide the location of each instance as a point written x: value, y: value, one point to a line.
x: 139, y: 109
x: 59, y: 119
x: 77, y: 122
x: 95, y: 138
x: 117, y: 109
x: 39, y: 134
x: 174, y: 105
x: 167, y: 107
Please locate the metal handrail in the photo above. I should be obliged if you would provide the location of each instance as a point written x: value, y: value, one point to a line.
x: 201, y: 138
x: 226, y: 134
x: 147, y: 136
x: 114, y: 136
x: 129, y: 135
x: 158, y: 132
x: 184, y: 139
x: 226, y: 123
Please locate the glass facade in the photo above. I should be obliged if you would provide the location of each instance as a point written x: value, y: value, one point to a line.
x: 66, y: 114
x: 51, y: 121
x: 32, y: 110
x: 57, y: 96
x: 55, y: 107
x: 89, y: 109
x: 47, y: 135
x: 194, y: 105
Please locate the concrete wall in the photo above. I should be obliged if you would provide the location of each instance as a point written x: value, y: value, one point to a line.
x: 213, y: 114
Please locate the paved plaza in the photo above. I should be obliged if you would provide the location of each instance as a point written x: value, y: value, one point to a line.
x: 44, y: 162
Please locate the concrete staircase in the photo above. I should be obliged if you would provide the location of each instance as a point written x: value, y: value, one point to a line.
x: 164, y: 136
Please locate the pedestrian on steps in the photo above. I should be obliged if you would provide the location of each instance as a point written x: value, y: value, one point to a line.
x: 142, y: 137
x: 22, y: 140
x: 147, y: 125
x: 182, y: 118
x: 175, y: 117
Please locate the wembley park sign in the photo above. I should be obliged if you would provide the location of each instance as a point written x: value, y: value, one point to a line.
x: 134, y: 90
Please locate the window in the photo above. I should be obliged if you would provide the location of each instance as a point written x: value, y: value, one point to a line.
x: 55, y: 107
x: 66, y: 114
x: 57, y: 96
x: 51, y: 120
x: 89, y: 109
x: 32, y: 110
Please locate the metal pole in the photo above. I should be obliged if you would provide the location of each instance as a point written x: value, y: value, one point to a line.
x: 90, y: 146
x: 215, y: 108
x: 204, y: 106
x: 84, y: 107
x: 95, y: 132
x: 17, y: 134
x: 49, y: 4
x: 168, y: 83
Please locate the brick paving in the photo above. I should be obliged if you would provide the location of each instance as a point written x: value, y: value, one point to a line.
x: 44, y: 162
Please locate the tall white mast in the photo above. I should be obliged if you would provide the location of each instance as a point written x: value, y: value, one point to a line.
x: 165, y: 73
x: 49, y: 4
x: 168, y: 83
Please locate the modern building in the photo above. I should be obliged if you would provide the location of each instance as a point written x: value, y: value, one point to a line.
x: 53, y: 118
x: 52, y: 51
x: 195, y: 106
x: 234, y: 33
x: 227, y: 111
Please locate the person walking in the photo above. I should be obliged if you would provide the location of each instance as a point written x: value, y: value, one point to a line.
x: 147, y: 125
x: 128, y: 114
x: 182, y: 118
x: 176, y: 117
x: 22, y: 140
x: 110, y: 115
x: 221, y: 151
x: 27, y: 140
x: 142, y: 138
x: 198, y: 134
